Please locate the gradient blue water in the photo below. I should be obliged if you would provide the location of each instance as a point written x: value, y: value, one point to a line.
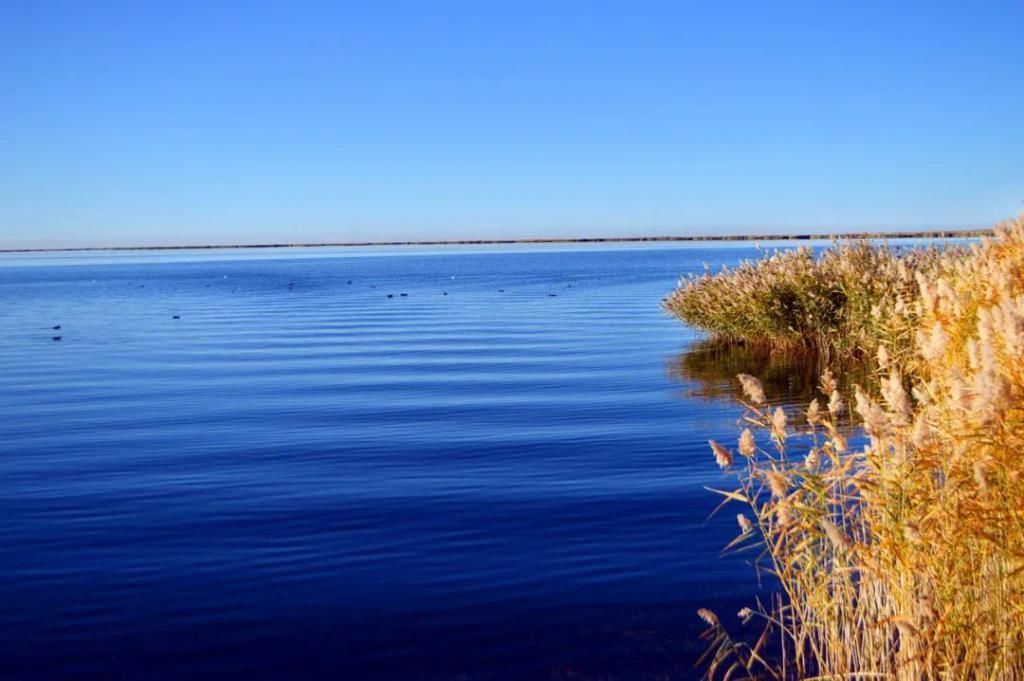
x: 302, y: 477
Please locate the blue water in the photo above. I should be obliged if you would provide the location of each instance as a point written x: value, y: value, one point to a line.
x: 303, y: 478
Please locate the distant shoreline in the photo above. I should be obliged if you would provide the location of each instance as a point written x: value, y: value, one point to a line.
x: 931, y: 234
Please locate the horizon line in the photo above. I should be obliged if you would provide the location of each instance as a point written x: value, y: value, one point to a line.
x: 902, y: 234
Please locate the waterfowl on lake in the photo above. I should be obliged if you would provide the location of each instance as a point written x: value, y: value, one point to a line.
x: 56, y: 338
x: 57, y: 328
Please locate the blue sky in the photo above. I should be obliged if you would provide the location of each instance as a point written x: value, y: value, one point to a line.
x: 241, y: 122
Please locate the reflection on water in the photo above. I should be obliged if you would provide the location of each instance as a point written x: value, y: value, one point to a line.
x: 709, y: 368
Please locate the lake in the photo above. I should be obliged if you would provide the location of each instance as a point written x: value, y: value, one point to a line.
x: 346, y: 464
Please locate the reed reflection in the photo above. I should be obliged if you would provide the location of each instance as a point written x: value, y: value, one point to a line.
x: 708, y: 371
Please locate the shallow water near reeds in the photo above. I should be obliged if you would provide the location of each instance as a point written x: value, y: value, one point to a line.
x: 302, y: 477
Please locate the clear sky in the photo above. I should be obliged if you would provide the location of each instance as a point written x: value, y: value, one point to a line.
x: 241, y: 121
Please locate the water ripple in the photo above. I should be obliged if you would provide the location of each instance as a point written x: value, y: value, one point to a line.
x: 301, y: 477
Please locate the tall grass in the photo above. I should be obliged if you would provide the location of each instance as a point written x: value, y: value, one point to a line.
x: 898, y: 545
x: 839, y: 303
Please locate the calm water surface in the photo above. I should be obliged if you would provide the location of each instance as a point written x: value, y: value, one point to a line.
x: 304, y: 478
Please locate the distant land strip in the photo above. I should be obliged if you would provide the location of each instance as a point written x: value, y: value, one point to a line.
x: 933, y: 234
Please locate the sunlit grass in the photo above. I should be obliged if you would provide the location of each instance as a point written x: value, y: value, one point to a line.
x: 898, y: 548
x: 842, y: 302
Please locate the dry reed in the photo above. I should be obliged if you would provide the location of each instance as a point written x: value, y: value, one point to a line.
x: 894, y: 525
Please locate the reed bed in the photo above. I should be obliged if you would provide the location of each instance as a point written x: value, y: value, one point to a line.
x: 891, y: 515
x: 848, y: 300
